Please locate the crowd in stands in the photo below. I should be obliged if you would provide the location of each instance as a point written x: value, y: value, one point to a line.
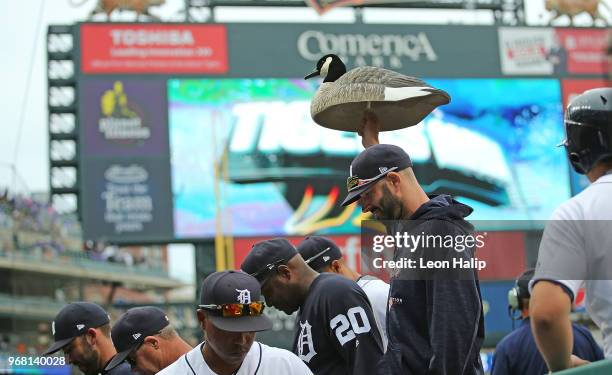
x: 30, y: 225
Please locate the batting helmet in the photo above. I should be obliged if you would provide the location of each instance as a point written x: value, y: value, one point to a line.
x: 588, y: 129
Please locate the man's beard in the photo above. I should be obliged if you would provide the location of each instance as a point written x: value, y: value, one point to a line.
x: 90, y: 361
x: 391, y: 208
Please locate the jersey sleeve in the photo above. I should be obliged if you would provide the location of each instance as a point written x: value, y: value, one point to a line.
x: 561, y: 257
x: 353, y: 329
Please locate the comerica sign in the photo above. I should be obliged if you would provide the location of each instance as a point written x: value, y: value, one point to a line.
x: 371, y: 49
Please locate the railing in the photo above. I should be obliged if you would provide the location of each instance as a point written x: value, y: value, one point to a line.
x: 81, y: 260
x: 33, y: 307
x: 595, y: 368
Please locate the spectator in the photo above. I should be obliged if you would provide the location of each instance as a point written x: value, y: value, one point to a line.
x: 517, y: 353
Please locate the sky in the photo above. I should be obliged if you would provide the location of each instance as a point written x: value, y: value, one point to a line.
x: 24, y: 142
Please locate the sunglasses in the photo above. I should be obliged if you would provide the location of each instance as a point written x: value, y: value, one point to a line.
x: 236, y: 310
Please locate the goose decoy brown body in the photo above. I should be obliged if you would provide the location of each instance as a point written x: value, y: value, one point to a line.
x: 399, y: 101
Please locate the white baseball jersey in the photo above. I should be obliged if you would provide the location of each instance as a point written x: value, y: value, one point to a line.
x: 261, y: 360
x: 576, y: 250
x: 378, y: 294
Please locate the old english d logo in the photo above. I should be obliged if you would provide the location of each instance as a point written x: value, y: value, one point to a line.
x: 305, y: 343
x: 244, y: 296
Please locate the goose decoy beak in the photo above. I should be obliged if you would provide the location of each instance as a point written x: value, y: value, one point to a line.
x: 313, y: 74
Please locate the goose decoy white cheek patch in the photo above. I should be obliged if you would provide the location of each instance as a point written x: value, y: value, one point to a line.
x: 325, y: 67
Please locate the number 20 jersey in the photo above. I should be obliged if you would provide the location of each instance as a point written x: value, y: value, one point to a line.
x: 336, y: 332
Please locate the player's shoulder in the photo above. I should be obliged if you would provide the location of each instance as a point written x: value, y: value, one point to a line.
x: 571, y: 209
x: 583, y: 204
x: 178, y: 367
x: 372, y: 283
x: 280, y: 359
x: 181, y: 365
x: 272, y: 353
x: 332, y: 284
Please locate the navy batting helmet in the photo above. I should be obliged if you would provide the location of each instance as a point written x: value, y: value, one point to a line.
x: 588, y: 128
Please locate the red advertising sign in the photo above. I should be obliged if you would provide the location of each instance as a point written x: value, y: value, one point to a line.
x: 137, y: 48
x: 586, y: 50
x: 573, y: 87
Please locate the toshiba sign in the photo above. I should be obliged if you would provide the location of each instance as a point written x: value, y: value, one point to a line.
x: 154, y: 49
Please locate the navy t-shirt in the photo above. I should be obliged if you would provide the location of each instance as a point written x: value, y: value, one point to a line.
x: 518, y: 354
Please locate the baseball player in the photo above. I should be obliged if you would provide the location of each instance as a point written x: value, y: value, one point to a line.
x: 336, y: 331
x: 146, y: 340
x: 82, y: 330
x: 577, y: 241
x: 230, y: 312
x: 323, y: 255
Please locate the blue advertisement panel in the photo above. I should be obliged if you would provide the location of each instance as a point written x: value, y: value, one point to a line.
x: 251, y: 146
x: 128, y: 199
x: 125, y: 163
x: 123, y: 117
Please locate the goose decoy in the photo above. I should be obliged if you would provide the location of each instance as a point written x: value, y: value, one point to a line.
x: 399, y: 101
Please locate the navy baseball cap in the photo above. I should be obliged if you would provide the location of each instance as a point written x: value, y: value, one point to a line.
x: 233, y: 287
x: 265, y: 256
x: 74, y: 320
x: 371, y: 165
x: 318, y: 252
x: 132, y: 328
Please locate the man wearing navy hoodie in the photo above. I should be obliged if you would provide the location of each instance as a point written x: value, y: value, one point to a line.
x: 435, y: 322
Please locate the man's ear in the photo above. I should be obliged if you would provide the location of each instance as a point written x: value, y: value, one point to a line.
x: 394, y: 178
x: 153, y: 341
x: 284, y: 273
x: 335, y: 266
x: 91, y: 336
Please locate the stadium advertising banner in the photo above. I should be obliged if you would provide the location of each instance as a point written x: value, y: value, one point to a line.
x: 126, y: 166
x: 173, y: 154
x: 197, y: 49
x: 548, y: 51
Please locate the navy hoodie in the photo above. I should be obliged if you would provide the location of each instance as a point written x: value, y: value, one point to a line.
x: 435, y: 325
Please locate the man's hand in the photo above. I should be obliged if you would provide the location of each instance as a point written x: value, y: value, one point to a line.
x: 369, y: 129
x: 577, y: 361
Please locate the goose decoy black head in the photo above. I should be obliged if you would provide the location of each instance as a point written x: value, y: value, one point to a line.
x: 330, y: 67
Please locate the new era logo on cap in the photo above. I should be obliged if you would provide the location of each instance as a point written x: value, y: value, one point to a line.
x: 80, y: 326
x: 136, y: 336
x: 53, y: 328
x: 383, y: 169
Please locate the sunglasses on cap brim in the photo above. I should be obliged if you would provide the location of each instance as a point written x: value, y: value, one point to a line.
x: 235, y: 310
